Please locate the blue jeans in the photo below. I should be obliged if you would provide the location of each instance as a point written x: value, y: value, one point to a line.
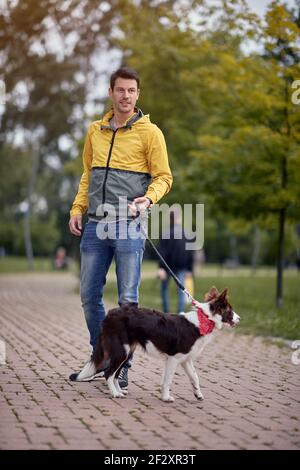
x: 165, y: 292
x: 127, y: 248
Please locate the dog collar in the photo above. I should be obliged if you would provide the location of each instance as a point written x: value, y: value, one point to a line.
x: 206, y: 325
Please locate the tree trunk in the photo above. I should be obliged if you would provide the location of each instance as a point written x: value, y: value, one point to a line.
x: 283, y: 210
x: 27, y: 215
x: 256, y: 249
x: 280, y: 259
x: 27, y: 240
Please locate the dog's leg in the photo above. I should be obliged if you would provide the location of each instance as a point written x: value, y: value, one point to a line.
x: 162, y: 380
x: 115, y: 393
x: 113, y: 384
x: 190, y: 371
x: 170, y: 367
x: 123, y: 391
x: 118, y: 356
x: 117, y: 386
x: 116, y: 380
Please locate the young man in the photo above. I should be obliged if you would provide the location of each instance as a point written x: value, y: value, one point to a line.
x: 124, y: 159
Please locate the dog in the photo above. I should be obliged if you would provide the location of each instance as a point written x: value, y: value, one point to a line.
x: 178, y: 339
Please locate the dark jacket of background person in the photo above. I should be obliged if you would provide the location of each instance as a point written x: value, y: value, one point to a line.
x: 174, y: 250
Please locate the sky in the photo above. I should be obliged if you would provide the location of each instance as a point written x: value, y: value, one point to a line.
x: 259, y: 6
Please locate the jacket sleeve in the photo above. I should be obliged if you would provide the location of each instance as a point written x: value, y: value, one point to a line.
x: 81, y: 200
x: 158, y: 165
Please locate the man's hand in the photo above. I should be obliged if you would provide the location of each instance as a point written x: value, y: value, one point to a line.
x: 162, y: 274
x: 139, y: 204
x: 75, y: 224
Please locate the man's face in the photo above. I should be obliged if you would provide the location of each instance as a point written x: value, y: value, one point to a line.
x: 124, y: 95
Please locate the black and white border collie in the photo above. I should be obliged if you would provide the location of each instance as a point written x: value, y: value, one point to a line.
x: 178, y: 339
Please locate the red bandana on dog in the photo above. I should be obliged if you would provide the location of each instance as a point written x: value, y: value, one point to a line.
x: 206, y: 325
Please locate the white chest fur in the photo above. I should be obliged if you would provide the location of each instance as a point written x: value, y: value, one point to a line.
x: 195, y: 351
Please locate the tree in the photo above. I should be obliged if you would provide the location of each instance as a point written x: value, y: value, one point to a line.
x: 46, y: 54
x: 250, y: 150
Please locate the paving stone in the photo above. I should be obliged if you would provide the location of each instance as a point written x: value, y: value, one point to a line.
x: 250, y: 403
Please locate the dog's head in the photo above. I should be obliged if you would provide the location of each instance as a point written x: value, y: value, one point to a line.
x: 220, y: 308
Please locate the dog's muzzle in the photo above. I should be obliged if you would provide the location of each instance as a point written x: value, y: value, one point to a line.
x: 235, y: 320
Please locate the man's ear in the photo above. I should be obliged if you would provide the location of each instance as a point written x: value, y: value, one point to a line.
x: 212, y: 294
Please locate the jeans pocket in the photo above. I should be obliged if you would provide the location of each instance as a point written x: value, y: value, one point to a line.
x: 89, y: 240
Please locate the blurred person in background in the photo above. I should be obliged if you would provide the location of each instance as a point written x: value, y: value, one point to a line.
x: 179, y: 259
x: 61, y: 260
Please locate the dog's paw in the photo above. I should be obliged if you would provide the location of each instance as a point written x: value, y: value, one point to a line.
x: 118, y: 395
x: 124, y: 391
x: 199, y: 396
x: 168, y: 399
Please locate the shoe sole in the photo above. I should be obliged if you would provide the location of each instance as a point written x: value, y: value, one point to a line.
x: 99, y: 375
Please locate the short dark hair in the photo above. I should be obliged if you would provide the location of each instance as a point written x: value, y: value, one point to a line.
x: 124, y: 72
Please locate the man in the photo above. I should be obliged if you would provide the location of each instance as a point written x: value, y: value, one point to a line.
x: 173, y: 250
x: 124, y: 159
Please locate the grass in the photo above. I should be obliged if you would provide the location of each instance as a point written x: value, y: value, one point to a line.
x: 252, y: 296
x: 18, y: 264
x: 253, y: 299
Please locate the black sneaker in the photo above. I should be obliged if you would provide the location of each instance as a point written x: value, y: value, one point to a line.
x: 123, y: 378
x: 87, y: 373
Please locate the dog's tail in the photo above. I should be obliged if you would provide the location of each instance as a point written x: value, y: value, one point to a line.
x: 92, y: 366
x: 88, y: 371
x: 99, y: 356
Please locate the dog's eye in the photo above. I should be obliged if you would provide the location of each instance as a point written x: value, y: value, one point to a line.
x: 228, y: 316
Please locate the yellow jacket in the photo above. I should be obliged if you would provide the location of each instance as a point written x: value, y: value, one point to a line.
x: 129, y: 162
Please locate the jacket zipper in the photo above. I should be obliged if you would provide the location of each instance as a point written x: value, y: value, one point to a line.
x: 107, y: 164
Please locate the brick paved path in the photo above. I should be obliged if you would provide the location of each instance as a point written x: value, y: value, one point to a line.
x: 251, y: 387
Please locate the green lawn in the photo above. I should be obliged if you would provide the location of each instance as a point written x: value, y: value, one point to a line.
x: 252, y: 297
x: 18, y: 264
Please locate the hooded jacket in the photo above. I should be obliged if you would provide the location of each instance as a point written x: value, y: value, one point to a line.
x: 127, y: 162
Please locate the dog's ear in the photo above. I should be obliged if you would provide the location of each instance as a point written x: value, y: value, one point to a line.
x: 212, y: 294
x: 223, y: 297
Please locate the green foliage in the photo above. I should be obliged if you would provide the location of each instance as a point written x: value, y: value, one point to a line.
x: 227, y: 115
x: 45, y: 234
x: 46, y: 51
x: 14, y: 176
